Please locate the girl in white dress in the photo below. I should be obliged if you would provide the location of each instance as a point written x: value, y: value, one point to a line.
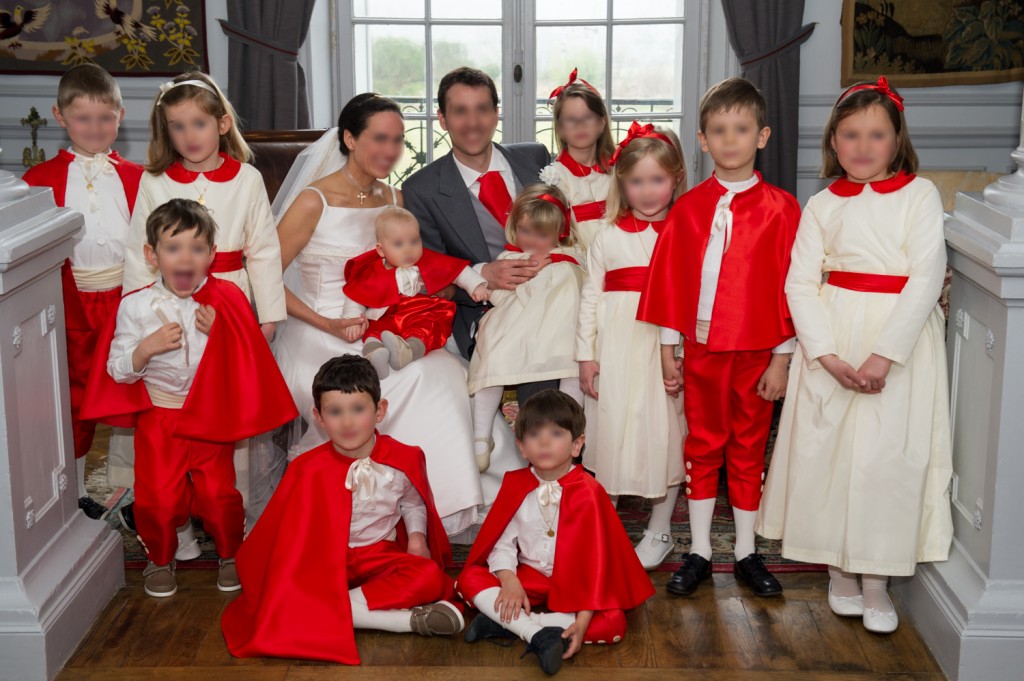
x: 322, y: 226
x: 859, y: 476
x: 528, y: 335
x: 634, y: 427
x: 197, y: 152
x: 585, y: 146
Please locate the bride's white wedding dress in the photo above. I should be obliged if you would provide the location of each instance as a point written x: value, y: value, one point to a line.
x: 428, y: 404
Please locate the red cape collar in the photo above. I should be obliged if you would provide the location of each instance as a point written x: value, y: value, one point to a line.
x: 226, y: 172
x: 575, y: 167
x: 845, y: 187
x: 630, y: 223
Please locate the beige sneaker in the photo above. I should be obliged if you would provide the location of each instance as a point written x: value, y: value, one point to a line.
x: 227, y: 576
x: 437, y: 619
x: 402, y: 351
x: 159, y: 580
x: 379, y: 357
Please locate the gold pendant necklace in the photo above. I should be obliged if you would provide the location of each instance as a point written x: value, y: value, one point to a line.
x: 362, y: 193
x: 551, y: 524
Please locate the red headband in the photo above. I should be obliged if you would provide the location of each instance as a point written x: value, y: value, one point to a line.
x: 572, y: 79
x: 881, y: 86
x: 553, y: 200
x: 636, y: 131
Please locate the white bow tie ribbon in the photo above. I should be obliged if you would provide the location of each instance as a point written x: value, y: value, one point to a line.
x: 361, y: 479
x: 549, y: 494
x: 159, y: 310
x: 723, y: 219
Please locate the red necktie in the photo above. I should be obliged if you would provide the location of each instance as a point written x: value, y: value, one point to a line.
x: 495, y: 197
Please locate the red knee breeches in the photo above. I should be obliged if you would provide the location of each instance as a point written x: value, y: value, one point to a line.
x: 393, y: 579
x: 728, y: 422
x: 423, y: 317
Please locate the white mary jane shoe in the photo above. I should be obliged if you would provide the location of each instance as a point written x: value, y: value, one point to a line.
x: 188, y: 545
x: 880, y: 622
x: 653, y: 549
x: 845, y: 606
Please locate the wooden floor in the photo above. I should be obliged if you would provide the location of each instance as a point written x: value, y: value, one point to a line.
x: 723, y: 633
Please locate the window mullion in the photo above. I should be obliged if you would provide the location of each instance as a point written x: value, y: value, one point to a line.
x: 428, y: 105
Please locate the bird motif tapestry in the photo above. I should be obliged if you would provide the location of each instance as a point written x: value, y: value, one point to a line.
x: 126, y: 37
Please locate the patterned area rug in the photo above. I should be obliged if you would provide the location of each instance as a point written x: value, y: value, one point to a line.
x: 633, y: 511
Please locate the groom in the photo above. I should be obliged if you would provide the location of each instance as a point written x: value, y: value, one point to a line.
x: 462, y: 199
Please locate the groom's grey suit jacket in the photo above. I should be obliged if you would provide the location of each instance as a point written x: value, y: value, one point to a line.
x: 453, y: 221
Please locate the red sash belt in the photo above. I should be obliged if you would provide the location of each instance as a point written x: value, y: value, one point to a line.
x: 589, y: 211
x: 868, y: 283
x: 226, y: 261
x: 625, y: 279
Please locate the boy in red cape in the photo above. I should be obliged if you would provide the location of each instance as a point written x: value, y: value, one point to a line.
x: 552, y: 537
x: 717, y: 277
x: 350, y: 539
x: 95, y: 181
x: 184, y: 361
x: 402, y: 277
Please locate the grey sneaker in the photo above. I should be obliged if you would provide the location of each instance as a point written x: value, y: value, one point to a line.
x: 437, y: 619
x: 227, y: 576
x: 159, y: 580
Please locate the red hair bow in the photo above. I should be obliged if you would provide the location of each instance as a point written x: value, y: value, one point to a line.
x: 553, y: 200
x: 636, y: 131
x: 572, y: 79
x: 881, y: 86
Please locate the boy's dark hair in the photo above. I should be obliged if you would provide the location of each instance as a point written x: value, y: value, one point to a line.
x: 348, y: 374
x: 180, y: 215
x: 87, y: 80
x: 733, y: 93
x: 550, y: 406
x: 465, y: 75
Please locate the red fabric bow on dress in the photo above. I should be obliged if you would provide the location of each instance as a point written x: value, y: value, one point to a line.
x: 572, y: 79
x: 881, y: 86
x: 636, y: 131
x: 553, y: 200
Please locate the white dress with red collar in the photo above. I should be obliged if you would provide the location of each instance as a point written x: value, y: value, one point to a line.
x: 528, y: 335
x: 634, y: 430
x: 586, y: 188
x: 237, y: 199
x: 860, y: 481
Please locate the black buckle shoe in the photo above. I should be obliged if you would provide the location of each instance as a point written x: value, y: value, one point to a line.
x: 91, y: 507
x: 684, y: 581
x: 549, y: 646
x: 483, y: 628
x: 127, y: 516
x: 752, y: 571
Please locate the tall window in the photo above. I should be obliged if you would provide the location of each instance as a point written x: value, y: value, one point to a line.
x: 644, y: 57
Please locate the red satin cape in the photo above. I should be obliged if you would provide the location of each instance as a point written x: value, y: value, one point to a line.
x: 750, y: 311
x: 238, y: 391
x: 294, y: 600
x: 54, y: 174
x: 596, y: 567
x: 369, y: 283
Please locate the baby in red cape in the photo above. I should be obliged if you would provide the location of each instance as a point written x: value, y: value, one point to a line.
x: 184, y: 361
x: 552, y: 537
x: 400, y: 278
x: 350, y: 539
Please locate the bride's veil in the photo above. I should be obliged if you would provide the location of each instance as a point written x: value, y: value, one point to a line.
x: 321, y: 158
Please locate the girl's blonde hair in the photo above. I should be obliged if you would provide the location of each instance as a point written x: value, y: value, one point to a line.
x: 162, y: 152
x: 605, y: 143
x: 544, y: 215
x: 668, y: 156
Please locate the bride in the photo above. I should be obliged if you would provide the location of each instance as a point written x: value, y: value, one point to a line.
x: 326, y: 210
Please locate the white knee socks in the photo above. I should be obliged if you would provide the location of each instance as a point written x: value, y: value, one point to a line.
x: 876, y: 594
x: 744, y: 522
x: 701, y: 513
x: 80, y: 466
x: 661, y: 512
x: 485, y: 403
x: 571, y: 387
x: 843, y: 584
x: 524, y: 627
x: 398, y: 621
